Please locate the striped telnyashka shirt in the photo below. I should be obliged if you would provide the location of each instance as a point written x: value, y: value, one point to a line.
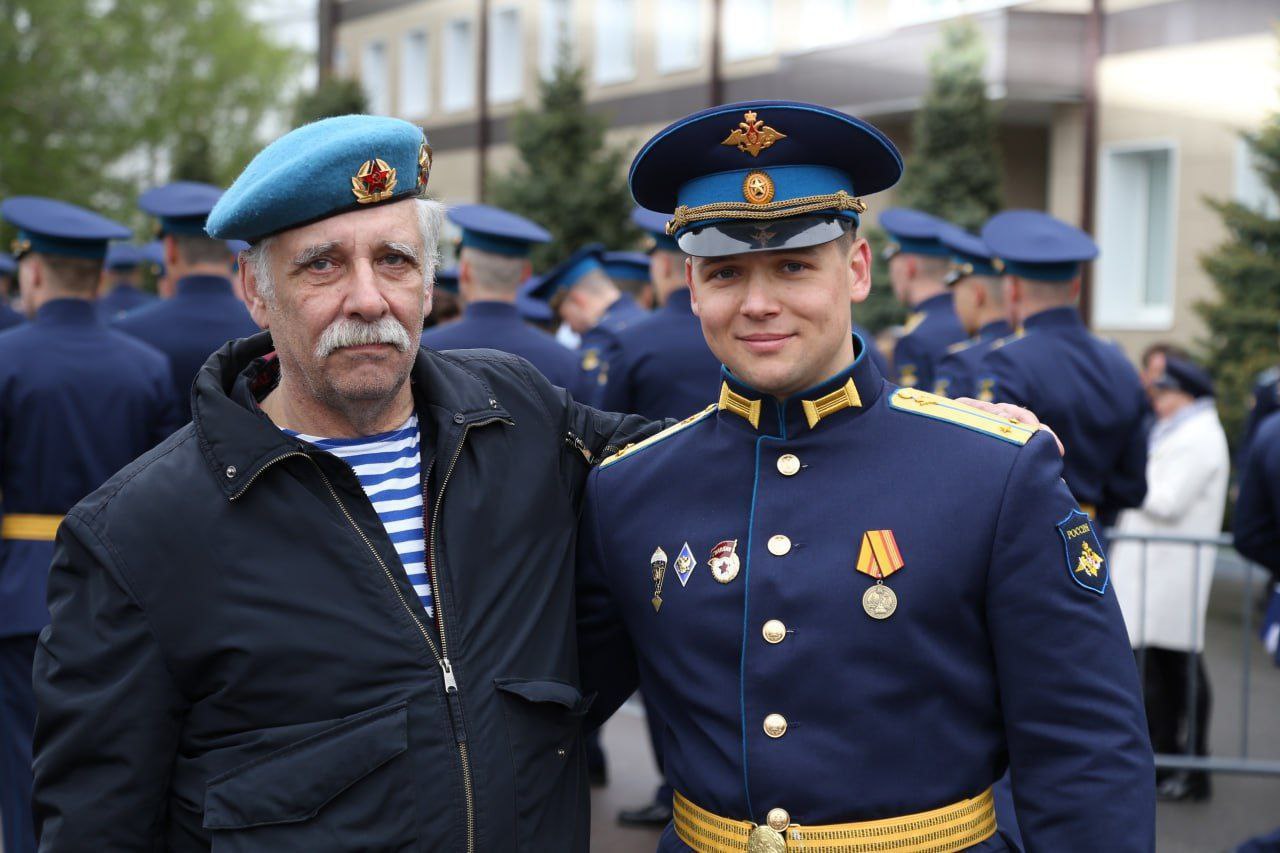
x: 389, y: 468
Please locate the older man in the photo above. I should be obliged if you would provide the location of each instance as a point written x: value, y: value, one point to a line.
x: 334, y: 612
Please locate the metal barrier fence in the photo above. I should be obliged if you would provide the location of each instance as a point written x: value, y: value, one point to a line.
x: 1255, y: 579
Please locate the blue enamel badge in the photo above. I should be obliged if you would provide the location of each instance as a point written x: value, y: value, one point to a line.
x: 1085, y: 560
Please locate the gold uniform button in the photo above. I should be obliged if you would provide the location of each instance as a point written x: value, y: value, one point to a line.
x: 778, y: 819
x: 779, y: 545
x: 788, y: 465
x: 775, y: 725
x: 774, y: 631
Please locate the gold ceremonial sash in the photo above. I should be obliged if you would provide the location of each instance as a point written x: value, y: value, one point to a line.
x: 953, y: 827
x: 32, y: 528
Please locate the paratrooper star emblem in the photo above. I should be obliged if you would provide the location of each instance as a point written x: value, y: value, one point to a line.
x: 376, y: 181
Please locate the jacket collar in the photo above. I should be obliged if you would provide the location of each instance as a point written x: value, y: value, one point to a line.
x: 995, y: 329
x: 933, y: 303
x: 238, y: 443
x: 848, y: 394
x: 1066, y: 317
x: 679, y: 301
x: 491, y: 310
x: 67, y: 312
x: 205, y: 285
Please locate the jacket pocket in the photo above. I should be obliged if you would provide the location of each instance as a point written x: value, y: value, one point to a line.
x: 544, y: 729
x: 345, y: 788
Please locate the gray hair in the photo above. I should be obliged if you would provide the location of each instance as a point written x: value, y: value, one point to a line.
x: 430, y: 224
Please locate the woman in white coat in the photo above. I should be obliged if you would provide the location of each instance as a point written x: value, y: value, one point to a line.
x: 1164, y: 596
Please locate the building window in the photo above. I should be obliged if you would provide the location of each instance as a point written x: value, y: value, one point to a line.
x: 415, y: 75
x: 1251, y: 187
x: 615, y: 40
x: 459, y: 65
x: 827, y: 21
x: 554, y: 35
x: 506, y: 57
x: 748, y: 28
x: 373, y: 76
x: 340, y: 61
x: 1136, y: 234
x: 679, y: 41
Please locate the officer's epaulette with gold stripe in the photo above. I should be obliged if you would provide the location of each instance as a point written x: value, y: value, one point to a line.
x: 1008, y: 339
x: 632, y: 449
x: 961, y: 346
x: 919, y: 402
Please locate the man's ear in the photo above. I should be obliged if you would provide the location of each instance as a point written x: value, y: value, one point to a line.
x: 693, y: 292
x: 170, y: 250
x: 253, y: 299
x: 859, y: 265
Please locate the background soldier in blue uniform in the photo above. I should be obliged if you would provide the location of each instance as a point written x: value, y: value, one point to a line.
x: 1084, y: 386
x: 1257, y: 515
x: 8, y: 272
x: 580, y: 291
x: 630, y: 272
x: 850, y: 604
x: 493, y: 263
x: 918, y: 267
x: 978, y: 294
x: 203, y: 313
x: 662, y: 367
x: 120, y: 293
x: 77, y: 402
x: 1264, y: 401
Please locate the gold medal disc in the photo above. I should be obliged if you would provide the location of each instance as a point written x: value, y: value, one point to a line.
x: 764, y: 839
x: 879, y: 601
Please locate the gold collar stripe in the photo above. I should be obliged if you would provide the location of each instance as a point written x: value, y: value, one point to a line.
x: 841, y: 200
x: 657, y: 437
x: 30, y: 528
x: 844, y: 397
x: 954, y: 827
x: 918, y: 402
x: 748, y: 410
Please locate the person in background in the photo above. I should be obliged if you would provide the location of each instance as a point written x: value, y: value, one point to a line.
x: 918, y: 267
x: 978, y: 293
x: 492, y: 263
x: 1163, y: 589
x: 9, y: 316
x: 78, y: 402
x: 153, y: 256
x: 631, y: 272
x: 203, y: 313
x: 120, y: 292
x: 1262, y: 403
x: 446, y: 304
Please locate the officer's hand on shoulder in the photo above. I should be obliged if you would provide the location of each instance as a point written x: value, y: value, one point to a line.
x: 1013, y: 413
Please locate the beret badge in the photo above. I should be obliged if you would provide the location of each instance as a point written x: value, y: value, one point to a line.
x: 424, y: 165
x: 374, y: 182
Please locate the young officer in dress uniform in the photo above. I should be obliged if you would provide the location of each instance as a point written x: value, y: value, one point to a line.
x: 580, y: 291
x: 493, y: 263
x: 121, y: 293
x: 918, y: 267
x: 1081, y: 384
x: 630, y: 272
x: 8, y: 274
x: 77, y: 402
x: 662, y: 367
x: 203, y: 313
x: 978, y: 294
x: 852, y: 605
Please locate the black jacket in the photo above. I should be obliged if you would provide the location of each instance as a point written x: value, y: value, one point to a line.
x: 236, y: 659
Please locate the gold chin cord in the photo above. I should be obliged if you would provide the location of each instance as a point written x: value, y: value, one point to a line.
x: 685, y: 215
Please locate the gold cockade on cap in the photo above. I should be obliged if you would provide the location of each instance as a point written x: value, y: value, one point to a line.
x: 752, y: 135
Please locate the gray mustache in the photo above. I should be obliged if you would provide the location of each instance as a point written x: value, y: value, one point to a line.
x: 346, y: 332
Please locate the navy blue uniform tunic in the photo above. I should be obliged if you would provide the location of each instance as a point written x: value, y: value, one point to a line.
x: 932, y: 328
x: 122, y: 299
x: 599, y: 347
x: 957, y: 374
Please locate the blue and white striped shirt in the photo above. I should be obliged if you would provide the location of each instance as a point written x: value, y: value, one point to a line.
x: 389, y: 468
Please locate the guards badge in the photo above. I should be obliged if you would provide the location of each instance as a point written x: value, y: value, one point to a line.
x: 1085, y: 559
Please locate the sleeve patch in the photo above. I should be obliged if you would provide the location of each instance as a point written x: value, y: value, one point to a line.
x: 1086, y: 562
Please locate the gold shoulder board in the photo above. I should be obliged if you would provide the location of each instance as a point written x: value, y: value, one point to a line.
x: 657, y: 437
x: 940, y: 408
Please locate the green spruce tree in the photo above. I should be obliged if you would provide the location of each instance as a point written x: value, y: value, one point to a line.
x: 567, y: 178
x: 334, y: 96
x: 953, y: 168
x: 1244, y: 321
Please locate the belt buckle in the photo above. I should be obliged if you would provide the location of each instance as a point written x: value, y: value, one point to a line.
x: 766, y: 839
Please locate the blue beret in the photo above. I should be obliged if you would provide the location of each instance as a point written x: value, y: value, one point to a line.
x: 626, y: 266
x: 182, y: 207
x: 914, y: 232
x: 727, y: 173
x: 969, y: 254
x: 654, y: 224
x: 320, y: 170
x: 447, y: 279
x: 531, y: 309
x: 1186, y: 376
x: 8, y: 266
x: 153, y: 253
x: 492, y: 229
x: 123, y: 257
x: 565, y: 274
x: 1035, y: 245
x: 54, y: 227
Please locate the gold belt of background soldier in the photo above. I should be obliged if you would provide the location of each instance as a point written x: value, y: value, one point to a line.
x: 32, y: 528
x: 953, y: 827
